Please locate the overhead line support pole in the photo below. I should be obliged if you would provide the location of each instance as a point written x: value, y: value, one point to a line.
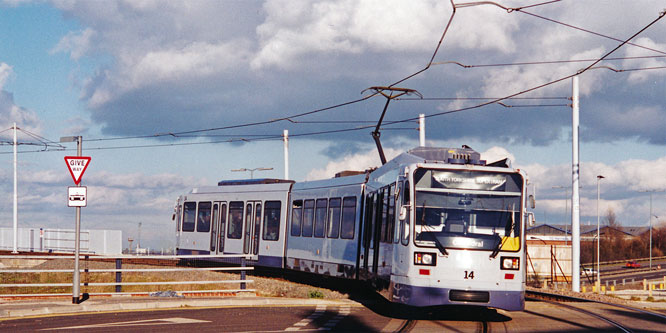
x: 286, y: 154
x: 575, y: 198
x: 422, y: 130
x: 15, y: 250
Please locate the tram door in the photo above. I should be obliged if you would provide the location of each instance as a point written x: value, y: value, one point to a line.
x: 370, y: 244
x: 218, y: 227
x: 252, y: 227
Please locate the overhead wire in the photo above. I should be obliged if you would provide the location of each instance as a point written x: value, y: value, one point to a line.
x: 439, y: 44
x: 624, y: 42
x: 41, y: 141
x: 592, y: 32
x: 550, y: 62
x: 289, y: 118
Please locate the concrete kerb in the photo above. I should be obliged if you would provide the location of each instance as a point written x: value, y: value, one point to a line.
x: 28, y: 308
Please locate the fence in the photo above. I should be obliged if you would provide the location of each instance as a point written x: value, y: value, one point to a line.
x: 104, y: 242
x: 48, y: 270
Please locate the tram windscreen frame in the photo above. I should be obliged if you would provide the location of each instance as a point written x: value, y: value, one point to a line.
x: 467, y: 209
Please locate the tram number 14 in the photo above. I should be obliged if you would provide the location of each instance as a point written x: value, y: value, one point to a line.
x: 469, y: 275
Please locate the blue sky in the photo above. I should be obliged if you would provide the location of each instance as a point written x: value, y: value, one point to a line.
x: 119, y: 69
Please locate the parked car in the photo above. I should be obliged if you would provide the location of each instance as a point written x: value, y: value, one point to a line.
x: 633, y: 264
x: 588, y: 271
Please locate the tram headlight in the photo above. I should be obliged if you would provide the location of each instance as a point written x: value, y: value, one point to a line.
x: 425, y: 259
x: 510, y: 263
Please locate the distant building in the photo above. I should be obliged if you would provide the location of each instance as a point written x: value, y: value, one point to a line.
x: 557, y: 233
x: 62, y: 240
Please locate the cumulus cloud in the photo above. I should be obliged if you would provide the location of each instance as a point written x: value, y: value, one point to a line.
x: 239, y: 62
x: 5, y: 72
x: 317, y: 27
x: 497, y: 153
x: 641, y: 76
x: 11, y: 113
x: 76, y: 43
x: 353, y: 162
x: 620, y: 188
x: 108, y: 193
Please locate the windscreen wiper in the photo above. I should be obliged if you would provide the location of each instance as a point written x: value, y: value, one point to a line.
x: 498, y: 247
x: 440, y: 247
x: 500, y: 241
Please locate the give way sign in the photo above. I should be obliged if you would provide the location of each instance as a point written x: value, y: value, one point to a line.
x: 77, y: 166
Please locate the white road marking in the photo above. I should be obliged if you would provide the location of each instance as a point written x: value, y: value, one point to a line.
x: 147, y: 322
x: 343, y: 311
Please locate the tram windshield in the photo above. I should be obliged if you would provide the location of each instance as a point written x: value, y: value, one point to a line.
x: 467, y: 210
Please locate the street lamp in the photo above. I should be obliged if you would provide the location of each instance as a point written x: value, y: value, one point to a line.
x: 655, y: 216
x: 251, y: 170
x: 650, y: 221
x: 599, y: 178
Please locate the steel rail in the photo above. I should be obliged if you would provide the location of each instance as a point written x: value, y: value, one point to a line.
x: 559, y: 299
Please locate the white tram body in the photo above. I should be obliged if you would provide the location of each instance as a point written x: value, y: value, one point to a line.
x: 434, y: 226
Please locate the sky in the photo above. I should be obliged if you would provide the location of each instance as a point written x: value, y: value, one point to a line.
x: 171, y: 95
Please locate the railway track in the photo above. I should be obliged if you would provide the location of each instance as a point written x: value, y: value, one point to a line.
x: 544, y: 312
x: 617, y: 317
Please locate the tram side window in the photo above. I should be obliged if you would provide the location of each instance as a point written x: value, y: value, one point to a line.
x: 320, y: 218
x: 308, y: 218
x: 213, y: 232
x: 385, y: 217
x: 235, y: 228
x: 405, y: 223
x: 369, y: 218
x: 189, y: 215
x: 296, y: 217
x: 271, y: 220
x: 203, y: 217
x: 334, y: 218
x: 390, y: 228
x: 348, y: 217
x: 223, y: 222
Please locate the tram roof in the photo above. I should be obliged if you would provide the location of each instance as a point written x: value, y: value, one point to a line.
x: 253, y: 181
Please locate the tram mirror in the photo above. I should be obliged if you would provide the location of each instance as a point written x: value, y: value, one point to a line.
x: 532, y: 201
x: 530, y: 219
x: 403, y: 211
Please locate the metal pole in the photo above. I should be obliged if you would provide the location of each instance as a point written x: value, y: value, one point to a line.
x: 650, y: 231
x: 575, y: 198
x: 599, y: 177
x: 119, y: 275
x: 286, y: 154
x: 15, y: 194
x: 422, y: 130
x: 76, y: 288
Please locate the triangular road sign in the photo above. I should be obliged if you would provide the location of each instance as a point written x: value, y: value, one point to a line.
x: 77, y: 165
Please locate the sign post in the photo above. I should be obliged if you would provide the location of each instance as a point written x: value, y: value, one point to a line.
x: 77, y: 165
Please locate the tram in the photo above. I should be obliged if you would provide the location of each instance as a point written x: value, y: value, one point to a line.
x: 433, y: 226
